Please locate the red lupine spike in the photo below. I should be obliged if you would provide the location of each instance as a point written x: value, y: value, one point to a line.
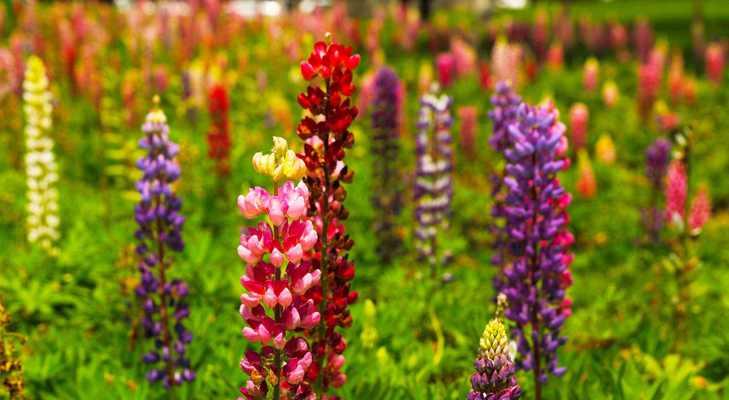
x: 324, y: 158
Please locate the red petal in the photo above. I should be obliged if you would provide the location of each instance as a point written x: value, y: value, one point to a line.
x: 353, y: 61
x: 307, y: 71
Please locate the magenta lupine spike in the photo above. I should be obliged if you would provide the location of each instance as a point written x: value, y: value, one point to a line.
x: 505, y: 103
x: 676, y: 193
x: 537, y: 278
x: 159, y: 234
x: 433, y: 189
x: 280, y: 281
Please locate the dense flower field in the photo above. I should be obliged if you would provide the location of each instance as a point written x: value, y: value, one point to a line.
x: 203, y: 204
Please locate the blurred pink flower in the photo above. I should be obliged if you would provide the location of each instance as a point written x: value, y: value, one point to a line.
x: 468, y: 116
x: 715, y: 60
x: 579, y: 118
x: 700, y: 211
x: 590, y: 74
x: 676, y: 191
x: 446, y: 65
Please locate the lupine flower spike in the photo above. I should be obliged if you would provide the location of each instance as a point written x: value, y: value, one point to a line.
x: 387, y: 196
x: 433, y: 190
x: 538, y: 276
x: 40, y: 163
x: 159, y: 235
x: 586, y: 183
x: 495, y: 377
x: 326, y: 136
x: 505, y: 103
x: 700, y: 212
x: 590, y: 74
x: 657, y: 158
x: 219, y: 136
x: 676, y: 193
x: 280, y: 279
x: 688, y: 221
x: 579, y: 119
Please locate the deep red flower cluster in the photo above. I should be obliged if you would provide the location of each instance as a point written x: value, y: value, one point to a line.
x: 219, y: 135
x: 326, y: 137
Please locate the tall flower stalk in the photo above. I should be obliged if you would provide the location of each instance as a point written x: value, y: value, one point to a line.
x: 657, y: 157
x: 495, y: 377
x: 120, y: 150
x: 688, y: 218
x: 40, y: 163
x: 535, y: 207
x: 433, y: 189
x: 326, y: 136
x: 280, y: 280
x: 505, y: 103
x: 159, y: 234
x: 11, y: 370
x: 219, y: 134
x: 387, y: 192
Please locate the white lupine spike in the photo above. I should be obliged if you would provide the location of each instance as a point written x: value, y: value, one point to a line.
x: 40, y: 165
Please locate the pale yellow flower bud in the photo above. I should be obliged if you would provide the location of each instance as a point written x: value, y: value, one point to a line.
x: 281, y: 164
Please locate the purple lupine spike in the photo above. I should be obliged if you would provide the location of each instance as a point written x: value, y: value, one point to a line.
x: 657, y: 157
x: 159, y: 234
x: 433, y: 190
x: 387, y: 199
x: 505, y: 103
x: 535, y: 209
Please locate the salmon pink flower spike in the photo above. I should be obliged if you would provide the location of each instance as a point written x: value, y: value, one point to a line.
x: 700, y: 211
x: 610, y: 94
x: 590, y: 74
x: 281, y: 281
x: 579, y: 118
x: 326, y: 136
x: 586, y: 183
